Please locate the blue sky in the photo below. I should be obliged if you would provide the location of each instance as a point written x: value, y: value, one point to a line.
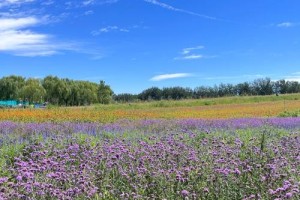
x: 136, y: 44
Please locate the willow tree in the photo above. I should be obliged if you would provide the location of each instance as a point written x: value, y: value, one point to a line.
x: 33, y: 91
x: 104, y: 93
x: 10, y: 87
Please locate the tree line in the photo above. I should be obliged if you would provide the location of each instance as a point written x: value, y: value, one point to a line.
x: 67, y: 92
x: 262, y: 86
x: 54, y: 90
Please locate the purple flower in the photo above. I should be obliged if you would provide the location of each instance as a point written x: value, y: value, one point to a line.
x: 19, y: 178
x: 271, y: 192
x: 3, y: 180
x: 185, y: 193
x: 206, y: 190
x: 288, y: 195
x: 237, y: 171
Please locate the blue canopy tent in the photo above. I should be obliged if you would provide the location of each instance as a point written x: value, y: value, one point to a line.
x: 13, y: 103
x: 10, y: 103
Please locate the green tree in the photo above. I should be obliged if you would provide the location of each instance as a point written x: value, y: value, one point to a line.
x: 153, y: 93
x: 50, y: 84
x: 87, y: 92
x: 263, y: 86
x: 33, y: 91
x: 104, y: 93
x: 10, y: 87
x: 58, y: 90
x: 176, y: 93
x: 125, y: 97
x: 243, y: 89
x: 63, y: 91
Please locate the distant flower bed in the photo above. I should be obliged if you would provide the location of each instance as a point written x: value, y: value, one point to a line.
x: 112, y: 114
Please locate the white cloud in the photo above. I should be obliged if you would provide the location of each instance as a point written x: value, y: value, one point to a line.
x: 89, y: 12
x: 187, y: 53
x: 13, y: 2
x: 287, y: 24
x: 17, y: 1
x: 75, y: 4
x: 92, y: 2
x: 297, y: 79
x: 88, y: 2
x: 292, y: 78
x: 109, y: 29
x: 18, y: 40
x: 192, y: 57
x: 12, y: 23
x: 188, y: 50
x: 123, y: 30
x: 169, y: 7
x: 48, y: 2
x: 18, y: 23
x: 170, y: 76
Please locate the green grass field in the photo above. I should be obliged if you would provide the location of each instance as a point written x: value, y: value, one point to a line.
x: 201, y: 102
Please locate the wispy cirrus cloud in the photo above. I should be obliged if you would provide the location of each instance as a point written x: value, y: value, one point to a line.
x: 92, y: 2
x: 47, y: 2
x: 17, y: 39
x: 188, y: 50
x: 287, y: 24
x: 293, y: 77
x: 16, y: 30
x: 109, y: 29
x: 170, y: 76
x: 19, y: 20
x: 88, y: 2
x: 79, y: 4
x: 190, y: 54
x: 14, y: 2
x: 89, y: 12
x: 191, y: 57
x: 172, y: 8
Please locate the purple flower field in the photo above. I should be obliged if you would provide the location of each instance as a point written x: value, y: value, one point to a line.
x: 151, y: 159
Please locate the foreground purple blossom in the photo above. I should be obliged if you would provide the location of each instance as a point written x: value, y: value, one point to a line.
x: 153, y: 159
x: 146, y: 126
